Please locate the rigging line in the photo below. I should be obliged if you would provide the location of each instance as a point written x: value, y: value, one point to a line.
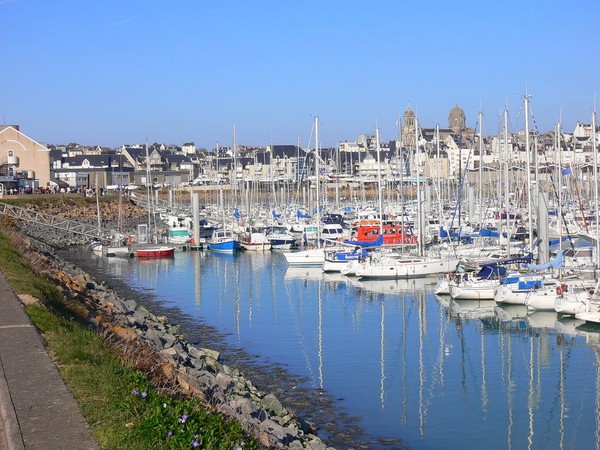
x: 464, y: 175
x: 552, y: 183
x: 558, y: 198
x: 302, y: 176
x: 436, y: 190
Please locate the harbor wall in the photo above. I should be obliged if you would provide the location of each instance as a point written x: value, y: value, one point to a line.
x: 158, y: 348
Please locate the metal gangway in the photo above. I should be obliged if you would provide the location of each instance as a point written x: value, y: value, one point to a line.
x: 49, y: 220
x: 157, y: 205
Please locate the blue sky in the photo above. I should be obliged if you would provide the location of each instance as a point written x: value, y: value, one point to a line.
x: 112, y: 72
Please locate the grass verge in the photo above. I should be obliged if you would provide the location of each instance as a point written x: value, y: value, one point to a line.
x: 123, y: 410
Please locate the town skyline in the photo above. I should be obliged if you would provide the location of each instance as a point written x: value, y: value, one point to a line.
x: 113, y: 73
x: 340, y: 143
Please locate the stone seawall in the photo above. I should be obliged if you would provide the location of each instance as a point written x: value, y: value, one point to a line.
x: 178, y: 366
x: 153, y: 343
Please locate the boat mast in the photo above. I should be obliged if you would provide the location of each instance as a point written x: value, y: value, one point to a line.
x: 148, y: 192
x: 595, y: 153
x: 419, y: 211
x: 377, y: 148
x: 318, y: 180
x: 219, y: 181
x: 98, y: 208
x: 480, y: 120
x: 560, y: 195
x: 398, y: 163
x: 272, y: 181
x: 437, y: 164
x: 401, y: 162
x: 234, y: 201
x: 506, y: 180
x: 528, y: 165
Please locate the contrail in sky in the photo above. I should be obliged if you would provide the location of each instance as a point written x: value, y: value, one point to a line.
x: 107, y: 27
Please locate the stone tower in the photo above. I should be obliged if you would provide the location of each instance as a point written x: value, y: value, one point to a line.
x: 456, y: 120
x: 408, y: 130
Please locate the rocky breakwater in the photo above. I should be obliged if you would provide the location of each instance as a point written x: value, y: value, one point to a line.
x: 158, y: 349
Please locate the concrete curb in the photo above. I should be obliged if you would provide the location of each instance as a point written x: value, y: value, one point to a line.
x: 10, y: 434
x: 37, y: 409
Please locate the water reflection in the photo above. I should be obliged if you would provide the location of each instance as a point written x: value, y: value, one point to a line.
x: 413, y: 366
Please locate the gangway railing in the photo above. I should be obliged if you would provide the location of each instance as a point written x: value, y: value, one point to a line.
x: 49, y: 220
x: 160, y: 206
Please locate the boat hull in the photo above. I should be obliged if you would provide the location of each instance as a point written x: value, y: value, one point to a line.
x: 155, y: 252
x: 407, y: 269
x: 119, y: 250
x: 224, y: 246
x: 311, y: 257
x: 465, y: 292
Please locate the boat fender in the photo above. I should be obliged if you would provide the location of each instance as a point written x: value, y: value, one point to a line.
x: 561, y: 289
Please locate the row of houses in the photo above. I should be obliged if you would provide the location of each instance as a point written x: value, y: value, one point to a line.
x: 443, y: 153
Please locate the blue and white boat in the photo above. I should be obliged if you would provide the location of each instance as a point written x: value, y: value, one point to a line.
x: 223, y: 241
x: 337, y: 260
x: 280, y: 238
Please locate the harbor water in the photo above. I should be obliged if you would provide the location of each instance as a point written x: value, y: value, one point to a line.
x: 394, y: 365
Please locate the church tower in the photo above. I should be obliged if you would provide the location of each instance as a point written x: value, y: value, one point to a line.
x: 408, y: 130
x: 456, y: 120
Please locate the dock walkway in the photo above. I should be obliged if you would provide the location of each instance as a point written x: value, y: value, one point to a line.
x: 37, y: 411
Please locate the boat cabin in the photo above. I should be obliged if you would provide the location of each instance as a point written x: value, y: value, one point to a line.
x: 393, y: 233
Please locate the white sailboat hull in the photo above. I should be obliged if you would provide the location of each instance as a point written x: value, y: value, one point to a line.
x: 311, y: 257
x: 407, y: 268
x: 473, y: 291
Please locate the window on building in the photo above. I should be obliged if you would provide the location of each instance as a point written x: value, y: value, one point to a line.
x: 11, y: 153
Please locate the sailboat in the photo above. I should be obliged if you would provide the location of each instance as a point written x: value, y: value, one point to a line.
x: 390, y: 266
x: 151, y: 250
x: 119, y: 244
x: 314, y: 256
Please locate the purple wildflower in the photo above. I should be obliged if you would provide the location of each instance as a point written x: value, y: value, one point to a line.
x: 134, y: 392
x: 195, y: 443
x: 183, y: 418
x: 144, y: 394
x: 169, y: 433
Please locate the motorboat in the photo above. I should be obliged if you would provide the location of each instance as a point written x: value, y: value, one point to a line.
x: 255, y: 240
x: 223, y: 241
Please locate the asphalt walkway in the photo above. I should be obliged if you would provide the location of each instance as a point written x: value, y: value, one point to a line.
x: 37, y: 411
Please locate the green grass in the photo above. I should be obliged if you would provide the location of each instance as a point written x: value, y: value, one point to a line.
x: 123, y: 410
x: 19, y: 274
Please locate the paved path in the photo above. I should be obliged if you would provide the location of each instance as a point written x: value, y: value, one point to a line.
x: 37, y: 411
